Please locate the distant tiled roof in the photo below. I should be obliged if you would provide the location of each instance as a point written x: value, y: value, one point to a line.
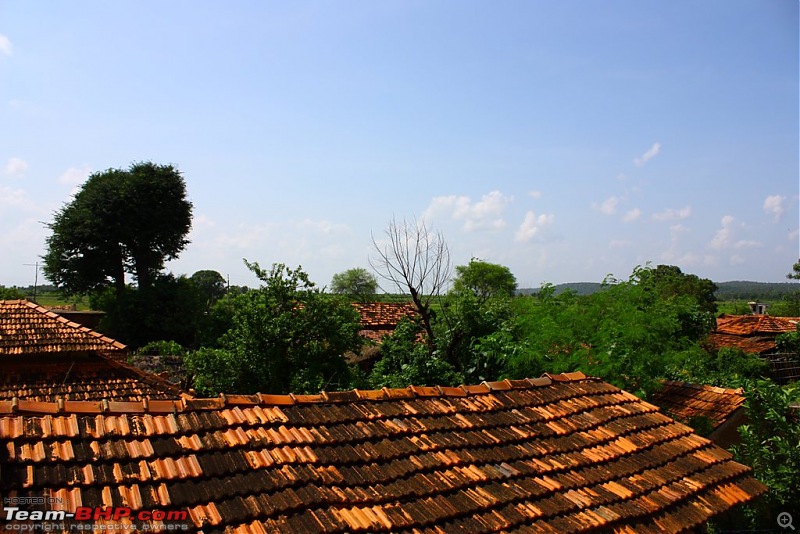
x: 78, y: 378
x: 685, y: 401
x: 383, y: 313
x: 27, y: 328
x: 750, y: 345
x: 748, y: 325
x: 556, y: 454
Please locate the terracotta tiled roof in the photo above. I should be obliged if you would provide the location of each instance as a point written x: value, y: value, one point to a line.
x: 685, y: 401
x: 27, y: 328
x: 559, y: 453
x: 383, y: 314
x: 748, y: 325
x: 79, y: 377
x: 750, y: 345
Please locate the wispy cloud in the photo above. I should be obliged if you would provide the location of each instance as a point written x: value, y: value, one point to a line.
x: 647, y: 156
x: 532, y: 225
x: 16, y: 167
x: 672, y: 214
x: 722, y: 239
x: 5, y: 46
x: 535, y: 194
x: 632, y: 215
x: 608, y: 206
x: 617, y: 244
x: 773, y: 205
x: 485, y: 214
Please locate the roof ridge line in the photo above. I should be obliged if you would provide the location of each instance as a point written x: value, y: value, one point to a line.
x: 186, y: 403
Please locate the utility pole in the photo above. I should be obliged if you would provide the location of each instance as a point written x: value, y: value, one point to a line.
x: 36, y: 278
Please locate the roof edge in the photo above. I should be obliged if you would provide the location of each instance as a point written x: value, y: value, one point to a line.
x: 186, y: 403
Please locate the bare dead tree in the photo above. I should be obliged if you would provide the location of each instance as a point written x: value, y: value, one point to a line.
x: 415, y: 260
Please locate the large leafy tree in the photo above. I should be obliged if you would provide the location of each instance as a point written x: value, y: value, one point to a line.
x: 121, y: 221
x: 285, y: 336
x: 485, y: 280
x: 356, y: 282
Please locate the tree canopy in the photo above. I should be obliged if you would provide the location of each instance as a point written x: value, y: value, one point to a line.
x: 356, y: 282
x: 286, y: 336
x: 485, y: 279
x: 121, y: 221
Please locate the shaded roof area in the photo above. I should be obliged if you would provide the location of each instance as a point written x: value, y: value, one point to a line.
x: 379, y: 319
x: 27, y: 328
x: 559, y: 453
x: 78, y: 377
x: 685, y: 401
x: 750, y: 345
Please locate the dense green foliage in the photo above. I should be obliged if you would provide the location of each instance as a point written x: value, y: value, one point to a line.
x: 356, y: 283
x: 120, y: 221
x: 210, y: 284
x: 771, y: 446
x: 484, y: 280
x: 286, y: 336
x: 11, y: 293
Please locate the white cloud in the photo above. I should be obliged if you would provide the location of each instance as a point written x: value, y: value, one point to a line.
x: 16, y: 198
x: 74, y: 176
x: 486, y: 214
x: 535, y: 194
x: 532, y: 225
x: 722, y: 239
x: 5, y: 45
x: 671, y: 214
x: 647, y: 156
x: 748, y: 243
x: 773, y: 205
x: 608, y: 207
x: 617, y: 244
x: 16, y: 167
x: 632, y: 215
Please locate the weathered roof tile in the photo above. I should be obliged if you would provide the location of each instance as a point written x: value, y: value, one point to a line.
x: 565, y: 453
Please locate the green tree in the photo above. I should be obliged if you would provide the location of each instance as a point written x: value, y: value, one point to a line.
x: 771, y: 446
x: 404, y: 361
x: 286, y: 336
x: 210, y: 284
x: 795, y: 274
x: 120, y: 221
x: 11, y: 293
x: 485, y: 280
x: 669, y: 281
x: 356, y: 282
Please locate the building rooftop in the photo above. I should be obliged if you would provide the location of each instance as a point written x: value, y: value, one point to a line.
x: 685, y: 401
x: 27, y: 328
x: 560, y: 453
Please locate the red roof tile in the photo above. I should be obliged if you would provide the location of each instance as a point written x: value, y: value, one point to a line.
x: 750, y: 345
x: 685, y: 401
x: 27, y: 328
x: 384, y: 314
x: 561, y: 453
x: 748, y: 325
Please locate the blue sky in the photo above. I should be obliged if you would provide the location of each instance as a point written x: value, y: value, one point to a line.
x: 566, y: 140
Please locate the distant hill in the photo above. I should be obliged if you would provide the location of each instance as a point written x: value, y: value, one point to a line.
x: 736, y: 290
x: 758, y: 291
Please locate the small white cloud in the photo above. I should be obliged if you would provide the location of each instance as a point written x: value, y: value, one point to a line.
x: 773, y: 205
x: 74, y: 176
x: 608, y: 207
x: 5, y: 45
x: 535, y: 194
x: 16, y: 167
x: 617, y: 244
x: 722, y: 239
x: 632, y: 215
x: 532, y: 225
x: 486, y: 214
x: 748, y: 243
x: 647, y: 156
x: 671, y: 214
